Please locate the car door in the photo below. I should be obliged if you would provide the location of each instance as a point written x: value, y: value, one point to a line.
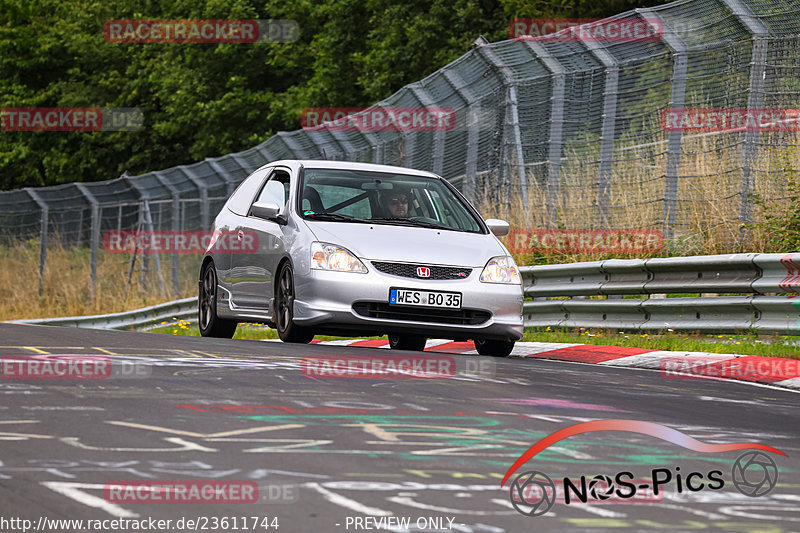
x: 256, y: 264
x: 230, y: 219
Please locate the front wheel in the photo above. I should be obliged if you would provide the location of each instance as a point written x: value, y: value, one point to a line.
x: 209, y: 323
x: 288, y: 331
x: 414, y: 343
x: 494, y: 348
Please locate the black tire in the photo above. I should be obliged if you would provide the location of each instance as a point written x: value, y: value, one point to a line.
x: 209, y: 323
x: 288, y: 331
x: 494, y: 348
x: 415, y: 343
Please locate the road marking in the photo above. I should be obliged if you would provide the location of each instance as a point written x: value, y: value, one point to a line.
x: 347, y: 503
x: 186, y: 446
x: 205, y: 435
x: 183, y: 352
x: 211, y: 354
x: 410, y: 502
x: 74, y: 492
x: 34, y: 349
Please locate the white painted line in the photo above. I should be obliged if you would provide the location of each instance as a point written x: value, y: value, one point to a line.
x: 524, y: 349
x: 347, y: 503
x: 653, y: 359
x: 433, y: 343
x: 345, y: 342
x: 74, y: 492
x: 792, y: 383
x: 642, y: 360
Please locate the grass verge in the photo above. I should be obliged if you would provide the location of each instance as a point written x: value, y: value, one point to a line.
x: 760, y: 345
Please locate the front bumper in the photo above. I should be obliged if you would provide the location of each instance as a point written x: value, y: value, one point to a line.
x: 345, y: 302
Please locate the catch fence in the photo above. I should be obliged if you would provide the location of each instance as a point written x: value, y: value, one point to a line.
x: 553, y: 133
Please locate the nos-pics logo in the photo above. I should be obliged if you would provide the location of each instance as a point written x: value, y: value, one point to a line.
x: 533, y: 493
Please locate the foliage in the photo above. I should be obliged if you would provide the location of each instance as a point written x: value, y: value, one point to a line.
x: 205, y: 100
x: 782, y: 223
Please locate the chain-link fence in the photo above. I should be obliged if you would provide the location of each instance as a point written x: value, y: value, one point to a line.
x: 558, y: 133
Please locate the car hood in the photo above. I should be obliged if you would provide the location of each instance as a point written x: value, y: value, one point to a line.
x: 383, y: 242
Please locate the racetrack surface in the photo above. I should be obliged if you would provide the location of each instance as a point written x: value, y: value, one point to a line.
x: 327, y: 452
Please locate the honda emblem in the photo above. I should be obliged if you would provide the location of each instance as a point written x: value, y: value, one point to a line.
x: 423, y: 272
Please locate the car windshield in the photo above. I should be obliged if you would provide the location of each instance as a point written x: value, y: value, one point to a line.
x: 352, y: 196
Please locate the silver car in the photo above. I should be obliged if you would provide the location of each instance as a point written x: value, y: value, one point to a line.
x: 353, y: 249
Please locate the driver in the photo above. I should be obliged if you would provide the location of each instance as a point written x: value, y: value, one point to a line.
x: 396, y: 202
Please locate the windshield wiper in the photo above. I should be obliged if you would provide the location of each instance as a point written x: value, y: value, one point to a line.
x: 333, y: 217
x: 410, y: 222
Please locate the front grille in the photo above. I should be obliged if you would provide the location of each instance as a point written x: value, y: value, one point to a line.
x: 409, y: 270
x: 464, y: 317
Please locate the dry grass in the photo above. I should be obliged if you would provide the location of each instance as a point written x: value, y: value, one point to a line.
x: 66, y: 288
x: 708, y: 198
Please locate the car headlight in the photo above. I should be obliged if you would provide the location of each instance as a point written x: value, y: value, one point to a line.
x: 501, y: 269
x: 326, y: 256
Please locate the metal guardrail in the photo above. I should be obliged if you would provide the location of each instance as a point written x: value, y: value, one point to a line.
x: 761, y: 292
x: 138, y: 318
x: 765, y: 288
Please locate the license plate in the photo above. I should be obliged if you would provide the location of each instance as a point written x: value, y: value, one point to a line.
x: 450, y: 300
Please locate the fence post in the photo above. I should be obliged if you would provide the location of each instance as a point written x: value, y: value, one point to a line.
x: 609, y: 125
x: 438, y: 135
x: 95, y: 233
x: 230, y: 184
x: 148, y: 222
x: 42, y: 233
x: 523, y: 182
x: 146, y: 219
x: 558, y: 73
x: 176, y: 224
x: 344, y: 143
x: 202, y: 190
x: 755, y: 99
x: 679, y: 70
x: 262, y: 149
x: 473, y: 116
x: 373, y: 140
x: 297, y: 151
x: 512, y: 119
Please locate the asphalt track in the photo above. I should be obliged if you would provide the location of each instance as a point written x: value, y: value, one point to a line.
x: 335, y: 454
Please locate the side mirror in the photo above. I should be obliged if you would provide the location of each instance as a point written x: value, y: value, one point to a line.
x: 499, y: 227
x: 266, y: 210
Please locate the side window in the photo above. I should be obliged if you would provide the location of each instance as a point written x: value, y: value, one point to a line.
x: 242, y: 197
x: 276, y: 189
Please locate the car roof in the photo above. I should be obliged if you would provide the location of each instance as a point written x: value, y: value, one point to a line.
x: 353, y: 165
